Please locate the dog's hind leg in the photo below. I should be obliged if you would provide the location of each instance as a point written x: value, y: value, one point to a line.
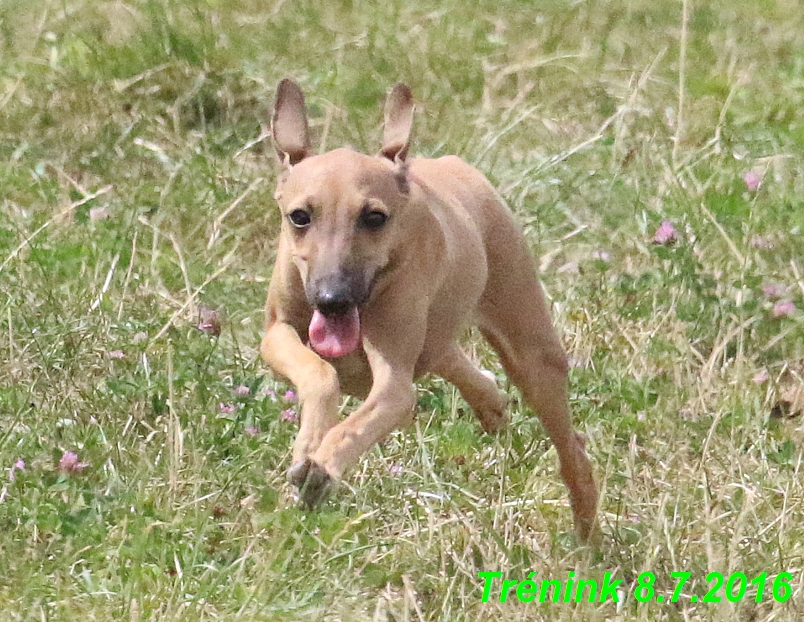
x: 480, y: 392
x: 536, y: 363
x: 515, y: 319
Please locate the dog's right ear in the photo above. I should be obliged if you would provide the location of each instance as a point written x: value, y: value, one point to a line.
x: 289, y: 124
x: 398, y: 123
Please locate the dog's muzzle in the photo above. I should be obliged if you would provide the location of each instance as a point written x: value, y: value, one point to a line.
x: 334, y: 299
x: 335, y: 326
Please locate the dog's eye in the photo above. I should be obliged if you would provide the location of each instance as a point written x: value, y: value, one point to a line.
x: 373, y: 219
x: 300, y: 218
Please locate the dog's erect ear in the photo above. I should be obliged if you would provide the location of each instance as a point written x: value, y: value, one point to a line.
x: 289, y: 123
x: 398, y: 123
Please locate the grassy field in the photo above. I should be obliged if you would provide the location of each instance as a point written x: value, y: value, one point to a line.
x: 142, y: 443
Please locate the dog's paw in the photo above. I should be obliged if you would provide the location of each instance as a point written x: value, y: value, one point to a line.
x: 297, y: 473
x: 317, y: 486
x: 493, y: 421
x: 491, y: 411
x: 588, y: 532
x: 313, y: 482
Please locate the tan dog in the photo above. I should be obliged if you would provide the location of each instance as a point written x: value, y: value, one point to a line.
x: 382, y: 261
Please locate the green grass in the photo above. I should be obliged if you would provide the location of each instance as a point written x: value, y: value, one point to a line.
x: 149, y: 111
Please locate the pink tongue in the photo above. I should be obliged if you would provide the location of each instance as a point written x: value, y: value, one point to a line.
x: 334, y: 336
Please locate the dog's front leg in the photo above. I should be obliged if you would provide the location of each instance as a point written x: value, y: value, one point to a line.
x: 317, y: 386
x: 392, y: 346
x: 389, y: 406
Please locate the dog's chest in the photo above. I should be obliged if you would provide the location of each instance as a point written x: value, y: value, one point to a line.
x: 354, y: 373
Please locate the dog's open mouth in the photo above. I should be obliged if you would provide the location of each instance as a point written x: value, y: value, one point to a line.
x: 334, y: 335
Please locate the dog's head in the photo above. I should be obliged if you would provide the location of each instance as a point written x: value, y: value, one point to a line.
x: 342, y: 214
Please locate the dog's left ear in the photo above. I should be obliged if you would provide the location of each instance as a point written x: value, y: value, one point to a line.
x: 398, y: 123
x: 289, y: 123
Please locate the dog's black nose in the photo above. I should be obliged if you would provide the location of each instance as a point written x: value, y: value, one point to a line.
x: 335, y: 301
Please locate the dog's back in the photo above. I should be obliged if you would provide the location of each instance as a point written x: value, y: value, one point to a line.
x: 469, y: 194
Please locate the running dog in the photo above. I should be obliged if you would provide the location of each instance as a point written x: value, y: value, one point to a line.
x: 382, y: 262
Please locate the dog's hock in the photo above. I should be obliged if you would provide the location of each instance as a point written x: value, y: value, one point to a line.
x: 398, y: 123
x: 289, y: 124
